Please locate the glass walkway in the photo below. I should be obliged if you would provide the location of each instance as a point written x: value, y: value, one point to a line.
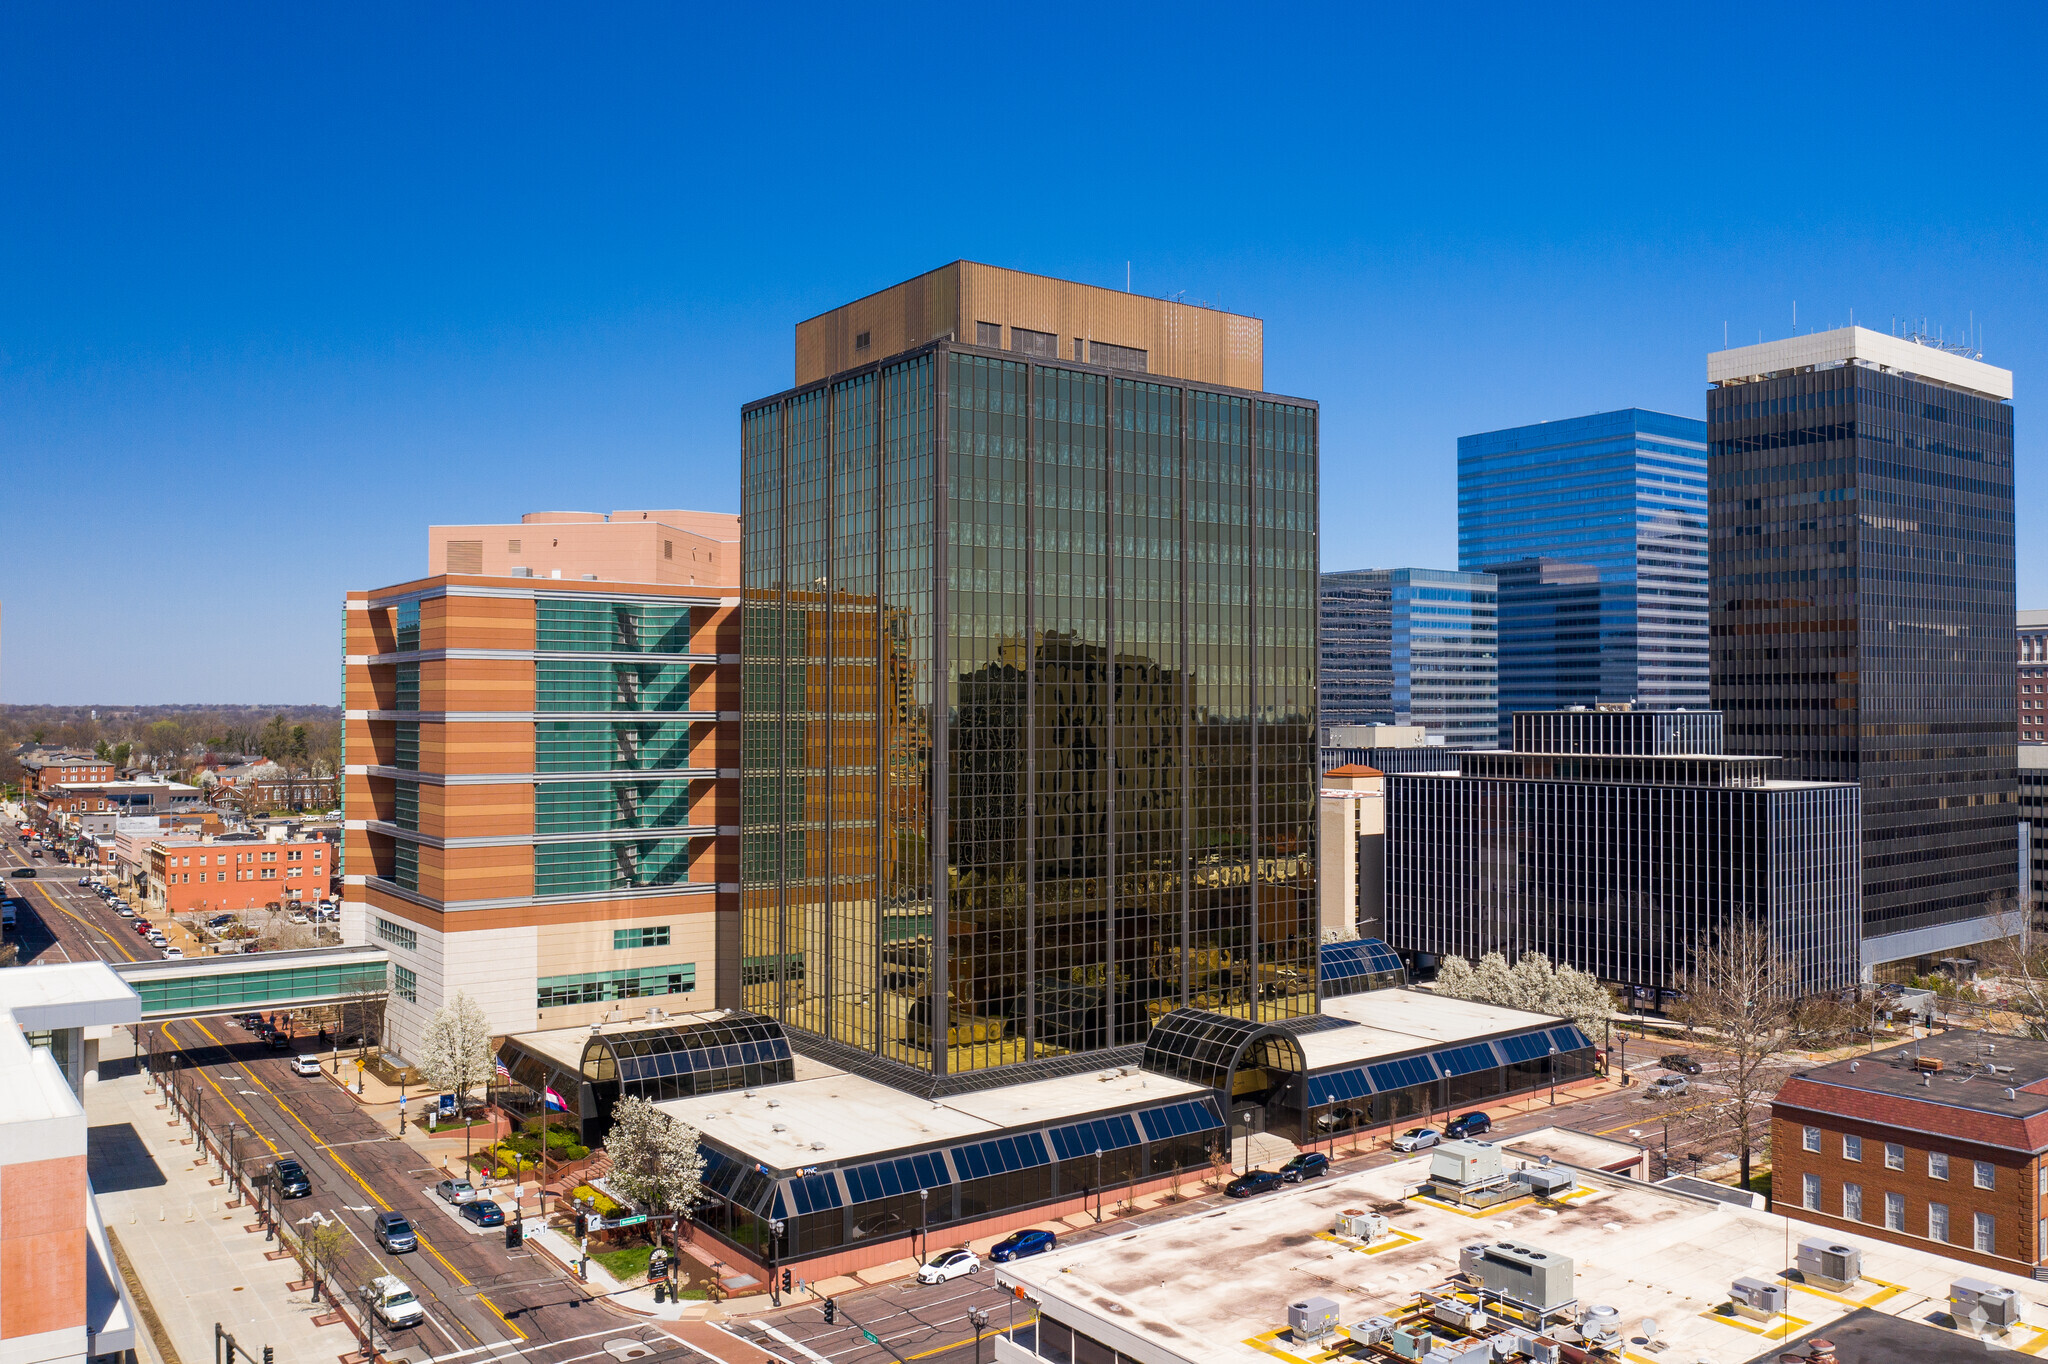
x: 254, y: 982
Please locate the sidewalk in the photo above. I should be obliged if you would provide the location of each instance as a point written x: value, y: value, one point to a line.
x: 193, y: 1259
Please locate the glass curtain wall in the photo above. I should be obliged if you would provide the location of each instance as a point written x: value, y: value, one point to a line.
x: 1106, y: 843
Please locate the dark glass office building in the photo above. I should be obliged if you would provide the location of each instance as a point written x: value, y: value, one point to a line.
x: 1596, y: 529
x: 1410, y: 646
x: 1028, y: 690
x: 1863, y: 608
x: 1619, y: 841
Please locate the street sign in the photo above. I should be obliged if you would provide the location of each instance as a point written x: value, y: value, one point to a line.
x: 596, y: 1222
x: 360, y: 1063
x: 873, y: 1339
x: 632, y: 1221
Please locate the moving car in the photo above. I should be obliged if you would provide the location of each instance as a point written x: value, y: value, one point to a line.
x: 950, y: 1266
x: 1018, y: 1244
x: 291, y: 1179
x: 1667, y: 1086
x: 1417, y: 1139
x: 483, y: 1212
x: 174, y: 954
x: 1307, y: 1165
x: 279, y: 1041
x: 1471, y: 1124
x: 455, y: 1191
x: 305, y: 1065
x: 1257, y: 1182
x: 392, y: 1301
x: 24, y: 871
x: 1681, y: 1061
x: 395, y: 1234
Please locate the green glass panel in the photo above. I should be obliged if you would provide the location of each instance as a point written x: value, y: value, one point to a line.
x: 573, y: 684
x: 408, y: 696
x: 602, y: 986
x: 600, y: 806
x: 407, y: 621
x: 610, y: 746
x: 621, y: 864
x: 406, y: 746
x: 597, y: 627
x: 406, y: 808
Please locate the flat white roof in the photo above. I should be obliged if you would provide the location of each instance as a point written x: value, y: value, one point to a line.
x: 1846, y: 344
x: 855, y: 1118
x: 78, y: 994
x: 1391, y: 1022
x: 1573, y: 1147
x: 1164, y: 1293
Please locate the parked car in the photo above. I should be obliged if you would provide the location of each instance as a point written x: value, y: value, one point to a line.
x: 455, y: 1191
x: 950, y: 1266
x: 1341, y: 1119
x: 305, y: 1065
x: 279, y: 1041
x: 1669, y: 1086
x: 1465, y: 1125
x: 174, y: 954
x: 1307, y: 1165
x: 1418, y: 1139
x: 1681, y: 1061
x: 141, y: 926
x: 1257, y: 1182
x: 483, y: 1212
x: 392, y: 1301
x: 291, y: 1179
x: 1018, y: 1244
x: 124, y: 911
x: 395, y: 1234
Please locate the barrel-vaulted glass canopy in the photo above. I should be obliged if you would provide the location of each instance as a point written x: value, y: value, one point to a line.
x: 686, y: 1057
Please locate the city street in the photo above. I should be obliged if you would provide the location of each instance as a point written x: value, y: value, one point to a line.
x: 484, y: 1303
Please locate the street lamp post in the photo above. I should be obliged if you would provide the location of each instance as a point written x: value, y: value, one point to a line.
x: 775, y: 1262
x: 924, y: 1227
x: 1553, y: 1074
x: 978, y: 1317
x: 1098, y: 1186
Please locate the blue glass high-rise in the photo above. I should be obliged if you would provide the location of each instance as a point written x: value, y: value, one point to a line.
x: 1596, y: 527
x: 1410, y: 646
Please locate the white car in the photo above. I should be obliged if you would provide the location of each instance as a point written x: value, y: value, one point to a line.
x: 1418, y: 1139
x: 174, y: 953
x: 950, y: 1266
x: 1668, y: 1086
x: 305, y: 1065
x: 393, y: 1302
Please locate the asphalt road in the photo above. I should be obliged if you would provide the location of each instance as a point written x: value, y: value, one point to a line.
x: 485, y: 1304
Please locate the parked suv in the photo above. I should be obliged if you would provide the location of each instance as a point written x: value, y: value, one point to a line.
x: 291, y: 1179
x: 1307, y: 1165
x: 392, y: 1301
x: 395, y: 1234
x: 1472, y: 1124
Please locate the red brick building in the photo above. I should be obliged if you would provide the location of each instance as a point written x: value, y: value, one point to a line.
x: 236, y: 872
x: 40, y: 771
x: 1937, y: 1144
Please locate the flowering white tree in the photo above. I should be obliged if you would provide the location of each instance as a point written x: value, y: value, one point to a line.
x: 455, y: 1052
x: 1532, y: 983
x: 655, y: 1160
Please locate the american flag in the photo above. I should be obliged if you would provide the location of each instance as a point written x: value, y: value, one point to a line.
x: 503, y: 1074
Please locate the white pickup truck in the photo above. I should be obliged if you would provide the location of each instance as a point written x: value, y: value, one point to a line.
x: 393, y: 1302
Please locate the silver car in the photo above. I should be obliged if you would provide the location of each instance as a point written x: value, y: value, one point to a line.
x: 456, y: 1191
x: 1669, y: 1086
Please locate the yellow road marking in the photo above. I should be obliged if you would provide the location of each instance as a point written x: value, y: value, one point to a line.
x: 349, y: 1170
x: 118, y: 947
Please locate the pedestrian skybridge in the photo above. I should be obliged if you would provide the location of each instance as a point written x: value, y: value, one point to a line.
x: 255, y: 982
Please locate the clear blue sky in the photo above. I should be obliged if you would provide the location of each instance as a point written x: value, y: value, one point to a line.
x: 285, y: 284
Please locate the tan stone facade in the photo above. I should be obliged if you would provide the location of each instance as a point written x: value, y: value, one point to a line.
x: 1179, y: 340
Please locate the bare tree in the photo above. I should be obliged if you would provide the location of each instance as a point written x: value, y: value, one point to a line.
x: 1742, y: 989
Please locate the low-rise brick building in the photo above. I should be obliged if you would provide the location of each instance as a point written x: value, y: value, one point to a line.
x: 1940, y: 1144
x: 236, y: 872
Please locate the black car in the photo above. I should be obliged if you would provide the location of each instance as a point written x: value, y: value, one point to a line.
x: 1307, y: 1165
x: 24, y: 871
x: 278, y: 1041
x: 1468, y: 1125
x: 291, y: 1180
x: 1257, y: 1182
x: 1680, y: 1061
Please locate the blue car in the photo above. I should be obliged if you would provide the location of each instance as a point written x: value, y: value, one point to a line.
x: 1018, y: 1244
x: 484, y: 1213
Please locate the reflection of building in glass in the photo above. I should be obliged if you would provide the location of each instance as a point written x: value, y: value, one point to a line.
x: 1410, y: 647
x: 1597, y: 530
x: 1615, y: 841
x: 1066, y: 786
x: 1864, y: 614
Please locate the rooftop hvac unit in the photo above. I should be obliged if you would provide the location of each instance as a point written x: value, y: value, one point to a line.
x: 1979, y: 1306
x: 1521, y: 1274
x: 1461, y: 1352
x: 1410, y: 1344
x: 1464, y: 1163
x: 1373, y: 1331
x: 1457, y: 1315
x: 1361, y: 1223
x: 1757, y: 1299
x: 1601, y: 1325
x: 1547, y: 1182
x: 1312, y: 1318
x: 1830, y: 1262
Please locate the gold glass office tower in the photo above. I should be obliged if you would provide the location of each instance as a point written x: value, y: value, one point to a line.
x: 1029, y: 677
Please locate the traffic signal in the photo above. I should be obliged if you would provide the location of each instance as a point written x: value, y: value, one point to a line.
x: 582, y: 1225
x: 785, y: 1281
x: 831, y: 1311
x: 268, y: 1357
x: 515, y: 1233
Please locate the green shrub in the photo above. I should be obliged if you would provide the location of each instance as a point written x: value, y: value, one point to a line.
x: 575, y: 1152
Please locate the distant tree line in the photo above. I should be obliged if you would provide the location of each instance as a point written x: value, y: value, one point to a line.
x: 177, y: 740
